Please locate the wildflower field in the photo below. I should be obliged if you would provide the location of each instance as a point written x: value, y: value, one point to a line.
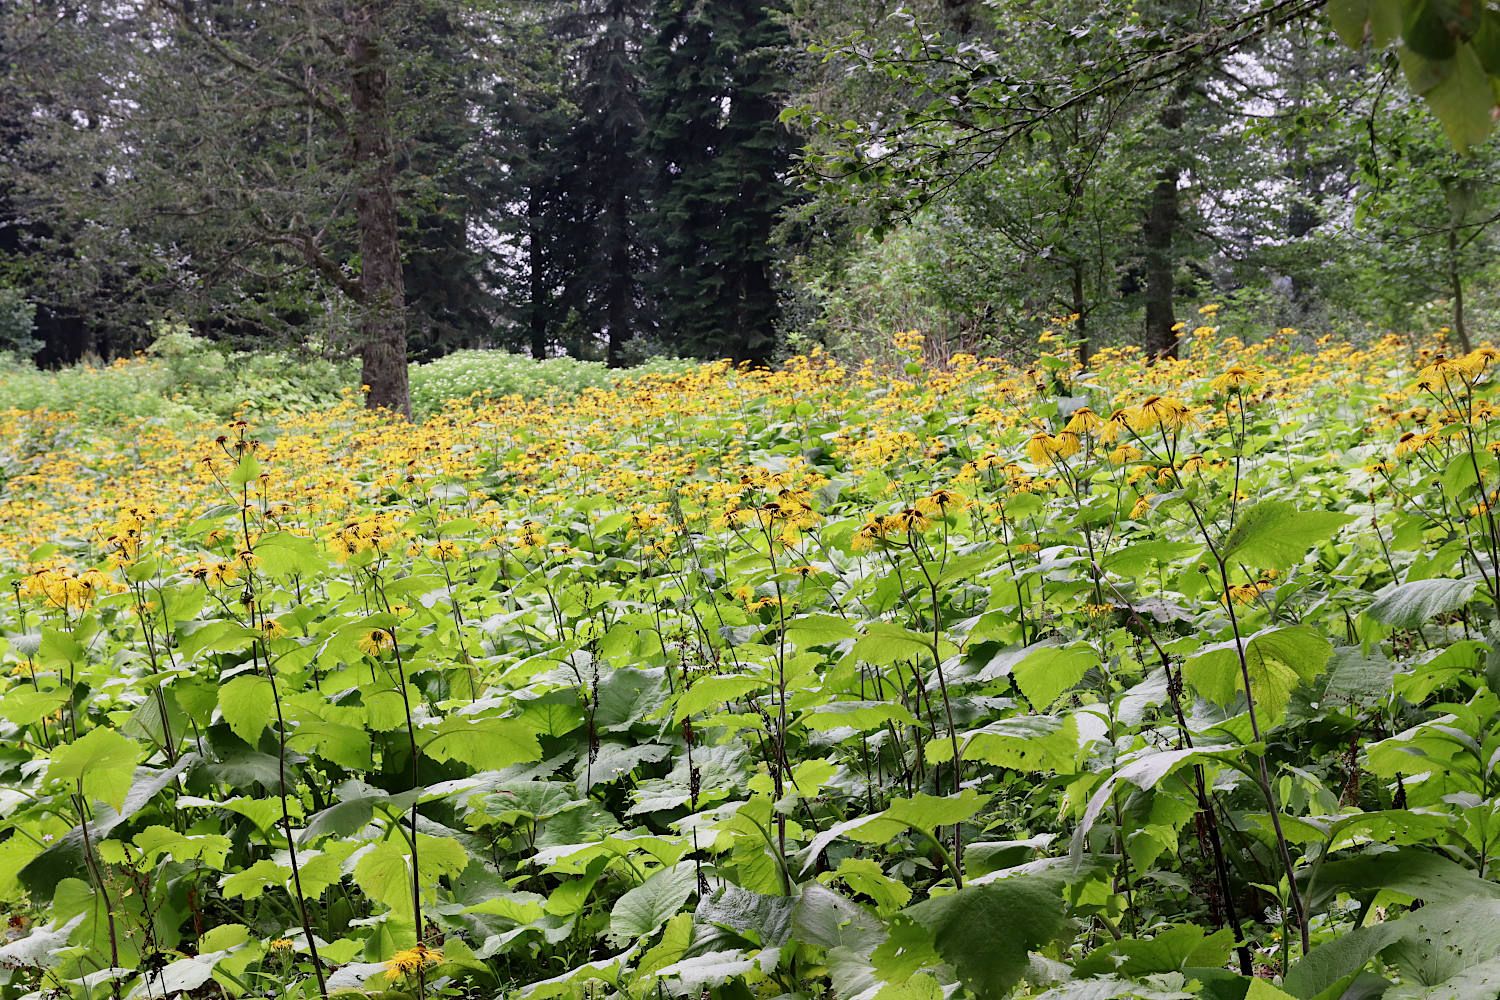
x: 1147, y: 681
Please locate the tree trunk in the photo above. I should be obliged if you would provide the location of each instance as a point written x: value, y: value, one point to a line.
x: 617, y: 306
x: 383, y: 325
x: 1162, y: 218
x: 1456, y: 284
x: 536, y: 311
x: 1080, y: 313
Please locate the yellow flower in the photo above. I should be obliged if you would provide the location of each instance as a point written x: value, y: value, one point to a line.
x: 1160, y: 411
x: 1236, y: 378
x: 909, y: 519
x: 443, y: 550
x: 1142, y: 506
x: 1242, y: 594
x: 1410, y: 443
x: 1084, y: 421
x: 1445, y: 370
x: 412, y: 960
x: 940, y: 502
x: 1117, y: 422
x: 1039, y: 448
x: 376, y: 641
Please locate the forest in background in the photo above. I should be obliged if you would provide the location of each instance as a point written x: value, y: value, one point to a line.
x: 615, y: 180
x: 1078, y: 579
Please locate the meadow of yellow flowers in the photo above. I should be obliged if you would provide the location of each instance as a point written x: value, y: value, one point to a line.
x: 1151, y: 680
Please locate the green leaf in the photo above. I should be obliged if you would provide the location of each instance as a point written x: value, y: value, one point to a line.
x: 860, y: 715
x: 1031, y: 911
x: 58, y: 650
x: 514, y: 801
x: 1349, y: 18
x: 284, y: 554
x: 819, y: 630
x: 1429, y: 947
x: 483, y: 744
x: 215, y: 637
x: 157, y: 840
x: 384, y: 873
x: 1408, y: 605
x: 25, y: 706
x: 102, y: 760
x: 1023, y: 743
x: 885, y: 643
x: 1406, y: 872
x: 245, y: 472
x: 921, y: 812
x: 355, y: 809
x: 642, y: 910
x: 707, y: 692
x: 1458, y: 91
x: 865, y: 876
x: 1260, y: 989
x: 250, y: 882
x: 247, y: 704
x: 1051, y: 669
x: 1274, y: 534
x: 1278, y: 660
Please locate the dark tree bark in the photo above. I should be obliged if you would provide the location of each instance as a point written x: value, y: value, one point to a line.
x: 383, y: 323
x: 1080, y: 310
x: 617, y: 295
x: 1162, y: 218
x: 1456, y: 286
x: 538, y: 299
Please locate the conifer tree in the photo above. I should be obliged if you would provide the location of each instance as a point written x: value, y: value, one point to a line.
x: 718, y: 158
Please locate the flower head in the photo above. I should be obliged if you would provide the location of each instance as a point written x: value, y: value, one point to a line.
x: 416, y: 959
x: 1237, y: 378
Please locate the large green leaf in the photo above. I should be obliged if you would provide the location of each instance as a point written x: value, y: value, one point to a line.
x: 484, y: 744
x: 1277, y: 659
x: 1429, y: 947
x: 1404, y: 872
x: 1043, y: 670
x: 101, y: 760
x: 987, y: 932
x: 247, y: 705
x: 1457, y: 89
x: 642, y: 910
x: 709, y: 692
x: 1022, y: 743
x: 860, y: 715
x: 1409, y: 604
x: 1274, y: 534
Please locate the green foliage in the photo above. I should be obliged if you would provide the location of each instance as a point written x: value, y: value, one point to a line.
x: 734, y: 682
x: 17, y: 324
x: 1450, y: 53
x: 492, y: 375
x: 179, y: 378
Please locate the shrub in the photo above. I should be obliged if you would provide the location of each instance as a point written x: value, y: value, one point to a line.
x: 496, y: 374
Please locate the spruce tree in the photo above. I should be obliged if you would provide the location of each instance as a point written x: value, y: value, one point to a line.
x: 596, y: 236
x: 718, y: 158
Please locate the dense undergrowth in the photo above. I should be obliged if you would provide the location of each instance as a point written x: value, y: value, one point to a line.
x: 186, y: 380
x: 1151, y: 681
